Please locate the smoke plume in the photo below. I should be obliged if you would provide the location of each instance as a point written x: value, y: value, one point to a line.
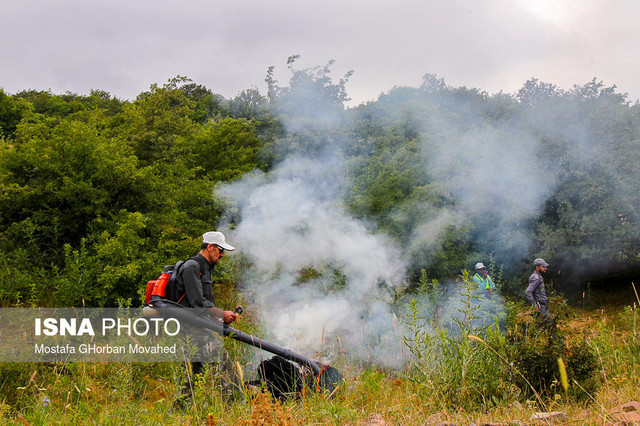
x: 292, y: 222
x: 324, y: 280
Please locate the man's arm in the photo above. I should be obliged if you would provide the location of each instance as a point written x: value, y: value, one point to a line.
x: 193, y: 287
x: 533, y: 284
x: 490, y: 283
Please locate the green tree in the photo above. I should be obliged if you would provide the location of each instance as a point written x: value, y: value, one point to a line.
x: 11, y: 112
x: 94, y: 199
x: 207, y: 104
x: 225, y: 149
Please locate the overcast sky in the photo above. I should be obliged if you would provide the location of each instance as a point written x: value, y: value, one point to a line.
x: 124, y: 46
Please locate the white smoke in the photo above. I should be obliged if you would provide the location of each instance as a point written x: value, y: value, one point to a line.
x: 496, y: 178
x: 291, y: 220
x: 323, y: 278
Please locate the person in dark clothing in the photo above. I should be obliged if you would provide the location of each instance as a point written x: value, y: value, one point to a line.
x: 195, y: 290
x: 194, y: 277
x: 535, y: 292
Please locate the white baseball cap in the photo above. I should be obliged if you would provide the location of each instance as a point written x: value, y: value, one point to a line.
x: 480, y: 265
x: 217, y: 238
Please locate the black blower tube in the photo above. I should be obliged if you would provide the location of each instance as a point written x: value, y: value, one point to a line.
x: 187, y: 315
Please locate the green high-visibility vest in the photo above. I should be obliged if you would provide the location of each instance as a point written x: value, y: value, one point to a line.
x: 486, y: 283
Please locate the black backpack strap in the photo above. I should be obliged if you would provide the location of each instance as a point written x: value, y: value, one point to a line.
x: 202, y: 262
x: 173, y: 281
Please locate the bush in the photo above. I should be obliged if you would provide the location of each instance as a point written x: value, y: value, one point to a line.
x: 448, y: 365
x: 535, y: 348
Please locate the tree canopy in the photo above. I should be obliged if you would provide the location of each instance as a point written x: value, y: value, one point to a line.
x: 97, y: 192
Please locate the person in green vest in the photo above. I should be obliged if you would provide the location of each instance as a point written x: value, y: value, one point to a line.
x: 483, y: 279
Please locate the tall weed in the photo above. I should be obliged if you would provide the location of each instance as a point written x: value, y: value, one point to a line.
x: 447, y: 364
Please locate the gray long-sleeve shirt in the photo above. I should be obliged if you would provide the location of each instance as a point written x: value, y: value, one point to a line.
x: 199, y: 289
x: 536, y: 293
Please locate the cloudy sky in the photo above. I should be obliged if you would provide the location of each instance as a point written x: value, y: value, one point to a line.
x: 124, y: 46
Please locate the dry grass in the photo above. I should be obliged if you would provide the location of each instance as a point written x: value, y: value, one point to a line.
x: 126, y: 394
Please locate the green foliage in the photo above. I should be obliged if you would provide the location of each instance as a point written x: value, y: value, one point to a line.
x: 448, y: 364
x: 158, y: 126
x: 535, y: 348
x: 310, y: 116
x: 420, y: 340
x: 207, y: 105
x: 73, y: 166
x: 50, y: 105
x: 226, y: 149
x: 583, y: 141
x: 78, y: 283
x: 467, y: 312
x: 328, y: 278
x: 11, y: 112
x: 310, y: 93
x: 87, y: 393
x: 122, y: 255
x: 97, y: 193
x: 521, y: 363
x: 431, y: 289
x: 372, y: 380
x: 385, y: 179
x: 618, y: 352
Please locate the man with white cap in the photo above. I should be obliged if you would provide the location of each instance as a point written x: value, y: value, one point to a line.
x: 535, y: 293
x: 483, y: 279
x: 195, y: 290
x: 194, y: 286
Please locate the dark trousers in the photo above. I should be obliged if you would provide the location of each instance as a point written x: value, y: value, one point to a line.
x: 203, y: 349
x: 543, y: 310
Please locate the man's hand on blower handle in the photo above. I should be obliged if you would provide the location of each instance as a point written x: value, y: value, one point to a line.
x: 227, y: 316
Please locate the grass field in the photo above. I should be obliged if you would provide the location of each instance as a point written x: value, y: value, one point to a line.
x: 464, y: 381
